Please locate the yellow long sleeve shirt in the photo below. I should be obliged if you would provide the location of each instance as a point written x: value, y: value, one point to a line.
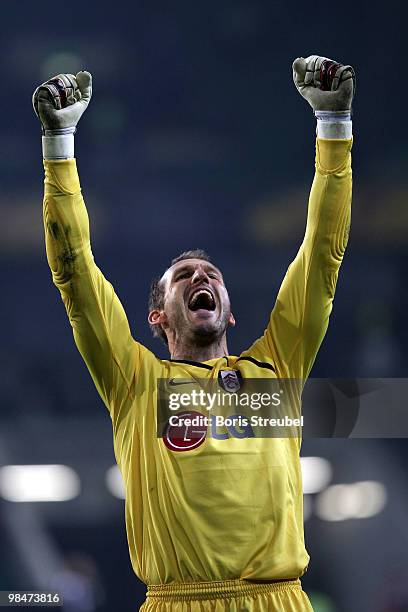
x: 232, y: 507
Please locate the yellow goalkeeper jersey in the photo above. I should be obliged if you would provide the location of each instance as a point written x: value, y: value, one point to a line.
x: 228, y: 507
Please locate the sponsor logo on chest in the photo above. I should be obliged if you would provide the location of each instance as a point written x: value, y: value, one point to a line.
x: 189, y: 429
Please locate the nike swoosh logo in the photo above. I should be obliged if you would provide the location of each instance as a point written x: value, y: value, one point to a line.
x: 180, y: 381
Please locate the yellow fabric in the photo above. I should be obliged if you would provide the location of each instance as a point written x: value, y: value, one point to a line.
x: 231, y: 595
x: 228, y: 509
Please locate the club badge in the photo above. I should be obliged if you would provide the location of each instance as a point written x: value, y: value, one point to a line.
x: 230, y: 380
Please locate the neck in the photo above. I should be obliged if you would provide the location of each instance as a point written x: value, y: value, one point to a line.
x: 194, y: 352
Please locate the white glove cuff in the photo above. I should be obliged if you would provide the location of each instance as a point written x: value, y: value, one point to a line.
x: 334, y: 124
x: 58, y: 144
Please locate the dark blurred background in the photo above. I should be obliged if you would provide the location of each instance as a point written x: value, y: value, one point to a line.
x: 196, y: 137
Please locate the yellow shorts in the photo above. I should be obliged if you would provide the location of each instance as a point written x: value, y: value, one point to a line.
x: 227, y: 596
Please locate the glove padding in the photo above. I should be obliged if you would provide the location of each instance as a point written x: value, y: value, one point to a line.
x: 60, y: 102
x: 312, y: 82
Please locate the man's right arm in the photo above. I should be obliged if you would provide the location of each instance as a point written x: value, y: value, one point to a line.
x: 99, y: 323
x: 100, y: 327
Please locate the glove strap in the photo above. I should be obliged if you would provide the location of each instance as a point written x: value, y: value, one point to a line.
x: 334, y: 124
x: 58, y: 144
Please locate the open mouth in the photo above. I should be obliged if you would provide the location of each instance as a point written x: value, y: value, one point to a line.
x: 202, y: 299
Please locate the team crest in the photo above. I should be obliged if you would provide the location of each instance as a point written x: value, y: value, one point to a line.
x: 230, y: 380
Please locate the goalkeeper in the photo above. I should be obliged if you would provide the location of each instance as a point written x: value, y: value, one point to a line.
x: 212, y: 523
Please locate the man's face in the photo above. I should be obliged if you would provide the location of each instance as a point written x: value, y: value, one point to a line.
x: 196, y: 302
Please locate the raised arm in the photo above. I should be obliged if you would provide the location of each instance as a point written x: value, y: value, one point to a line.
x: 301, y: 313
x: 99, y: 323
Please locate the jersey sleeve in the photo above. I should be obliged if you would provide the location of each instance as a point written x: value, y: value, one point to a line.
x: 300, y: 317
x: 100, y: 327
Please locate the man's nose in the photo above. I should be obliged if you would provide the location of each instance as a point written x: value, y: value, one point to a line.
x: 199, y: 276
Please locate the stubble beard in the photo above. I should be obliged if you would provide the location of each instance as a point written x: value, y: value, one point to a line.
x: 201, y: 335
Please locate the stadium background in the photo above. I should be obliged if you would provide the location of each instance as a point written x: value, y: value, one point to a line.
x: 196, y: 136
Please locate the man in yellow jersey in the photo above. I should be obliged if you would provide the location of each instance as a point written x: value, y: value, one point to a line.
x: 214, y: 522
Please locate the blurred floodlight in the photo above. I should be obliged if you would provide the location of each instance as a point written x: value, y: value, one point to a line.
x: 114, y: 482
x: 316, y: 474
x: 35, y: 483
x: 64, y: 61
x: 331, y: 503
x: 307, y: 507
x: 374, y: 496
x: 358, y: 500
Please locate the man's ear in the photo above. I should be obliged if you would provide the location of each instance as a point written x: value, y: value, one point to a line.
x: 157, y: 317
x: 231, y: 320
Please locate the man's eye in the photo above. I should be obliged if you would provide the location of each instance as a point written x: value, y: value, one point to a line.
x: 213, y: 275
x: 181, y: 276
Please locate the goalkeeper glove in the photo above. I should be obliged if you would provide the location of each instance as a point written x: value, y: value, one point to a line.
x: 329, y: 88
x: 59, y: 104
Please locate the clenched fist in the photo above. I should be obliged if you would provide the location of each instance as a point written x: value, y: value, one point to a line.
x: 324, y: 83
x: 60, y: 102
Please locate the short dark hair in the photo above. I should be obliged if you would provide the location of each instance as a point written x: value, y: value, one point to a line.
x: 156, y: 295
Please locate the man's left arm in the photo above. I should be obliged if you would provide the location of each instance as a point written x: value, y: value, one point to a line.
x: 300, y: 317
